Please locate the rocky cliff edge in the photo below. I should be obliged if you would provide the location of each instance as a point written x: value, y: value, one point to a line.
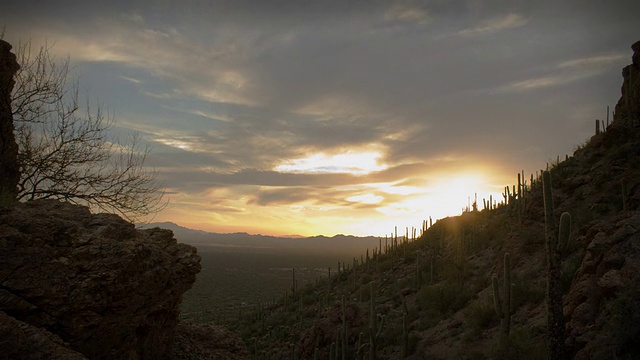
x: 75, y: 284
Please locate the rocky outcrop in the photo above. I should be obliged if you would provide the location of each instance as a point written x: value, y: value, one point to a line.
x: 91, y: 281
x: 9, y: 172
x: 628, y: 107
x: 607, y: 269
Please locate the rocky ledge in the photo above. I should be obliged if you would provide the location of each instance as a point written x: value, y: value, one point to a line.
x: 75, y: 284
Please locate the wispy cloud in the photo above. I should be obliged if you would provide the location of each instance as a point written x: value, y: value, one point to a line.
x: 209, y: 70
x: 495, y: 25
x: 566, y: 72
x: 593, y: 61
x: 131, y: 79
x: 407, y: 12
x: 538, y: 82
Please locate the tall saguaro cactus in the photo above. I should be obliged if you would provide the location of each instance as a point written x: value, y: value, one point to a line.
x: 503, y: 308
x: 293, y: 284
x: 555, y: 320
x: 343, y: 339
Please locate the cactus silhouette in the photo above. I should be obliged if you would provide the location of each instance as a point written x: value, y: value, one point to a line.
x: 503, y: 308
x: 555, y: 320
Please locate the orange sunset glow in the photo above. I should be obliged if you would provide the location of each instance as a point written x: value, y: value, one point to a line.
x: 336, y: 117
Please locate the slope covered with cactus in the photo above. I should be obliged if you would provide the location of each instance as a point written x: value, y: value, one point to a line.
x: 514, y: 281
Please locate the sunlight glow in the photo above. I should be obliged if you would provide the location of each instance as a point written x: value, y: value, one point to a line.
x: 183, y: 145
x: 358, y: 209
x: 438, y: 199
x: 357, y: 163
x: 402, y: 190
x: 366, y: 199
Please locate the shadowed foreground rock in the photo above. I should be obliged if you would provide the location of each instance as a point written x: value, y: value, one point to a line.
x: 91, y: 281
x: 206, y: 342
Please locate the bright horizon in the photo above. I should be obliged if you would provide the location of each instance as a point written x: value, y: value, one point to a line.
x: 333, y: 117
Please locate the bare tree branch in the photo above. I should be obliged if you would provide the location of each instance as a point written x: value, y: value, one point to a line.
x: 68, y: 154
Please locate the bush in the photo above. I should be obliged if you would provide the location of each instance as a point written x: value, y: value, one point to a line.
x: 525, y: 292
x: 522, y: 344
x: 481, y: 315
x: 443, y: 299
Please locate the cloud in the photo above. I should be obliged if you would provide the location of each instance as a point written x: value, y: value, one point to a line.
x: 211, y: 70
x: 495, y: 25
x: 540, y: 82
x: 230, y: 93
x: 594, y: 61
x: 566, y: 72
x: 130, y: 79
x: 407, y: 13
x: 288, y: 196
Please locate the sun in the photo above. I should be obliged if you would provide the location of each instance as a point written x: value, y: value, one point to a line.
x: 448, y: 194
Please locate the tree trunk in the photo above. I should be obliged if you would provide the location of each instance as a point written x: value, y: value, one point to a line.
x: 9, y: 170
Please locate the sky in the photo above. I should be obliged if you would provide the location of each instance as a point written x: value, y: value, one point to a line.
x: 327, y: 117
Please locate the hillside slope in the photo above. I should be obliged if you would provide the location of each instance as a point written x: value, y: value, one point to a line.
x: 433, y: 298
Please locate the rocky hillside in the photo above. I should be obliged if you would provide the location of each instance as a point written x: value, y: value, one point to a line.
x: 434, y: 298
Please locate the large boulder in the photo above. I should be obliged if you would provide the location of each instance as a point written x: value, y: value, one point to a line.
x: 628, y: 107
x: 107, y: 290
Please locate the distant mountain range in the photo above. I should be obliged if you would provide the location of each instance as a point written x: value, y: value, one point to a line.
x: 209, y: 241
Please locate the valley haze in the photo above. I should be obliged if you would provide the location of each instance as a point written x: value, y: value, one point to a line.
x: 339, y: 246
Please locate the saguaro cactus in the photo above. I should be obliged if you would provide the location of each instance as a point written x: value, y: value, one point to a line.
x: 625, y: 194
x: 503, y: 308
x: 405, y: 336
x: 555, y: 320
x: 360, y: 347
x: 293, y: 283
x: 372, y: 305
x: 343, y: 340
x: 373, y: 339
x: 564, y: 231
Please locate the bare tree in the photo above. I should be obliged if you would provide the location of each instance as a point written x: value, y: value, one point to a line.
x: 68, y: 153
x: 9, y: 168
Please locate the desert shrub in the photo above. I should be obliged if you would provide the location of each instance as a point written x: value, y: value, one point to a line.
x: 309, y: 299
x: 443, y: 299
x: 479, y: 282
x: 525, y: 292
x: 522, y: 344
x: 366, y: 278
x: 481, y: 315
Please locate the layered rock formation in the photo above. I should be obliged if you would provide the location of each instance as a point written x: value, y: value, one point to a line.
x: 628, y: 107
x: 88, y: 284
